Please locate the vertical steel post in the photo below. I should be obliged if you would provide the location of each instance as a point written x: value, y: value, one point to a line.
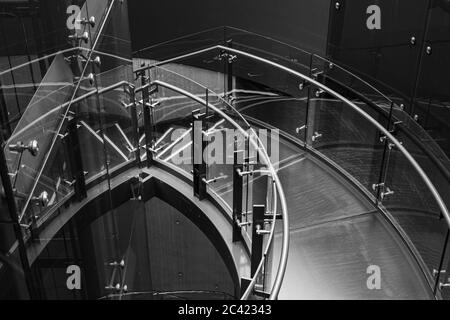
x: 73, y: 147
x: 238, y: 186
x: 134, y: 124
x: 148, y: 125
x: 198, y: 148
x: 259, y: 214
x: 229, y: 72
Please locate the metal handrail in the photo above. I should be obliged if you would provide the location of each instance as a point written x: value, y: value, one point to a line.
x: 253, y: 282
x: 266, y: 38
x: 260, y: 147
x: 430, y: 153
x: 389, y: 136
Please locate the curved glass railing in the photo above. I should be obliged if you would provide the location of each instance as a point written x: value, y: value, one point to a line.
x: 100, y: 138
x: 86, y: 133
x: 378, y: 105
x: 349, y: 135
x: 228, y: 170
x: 26, y: 77
x: 45, y: 117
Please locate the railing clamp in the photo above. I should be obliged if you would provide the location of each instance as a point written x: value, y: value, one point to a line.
x: 243, y: 224
x: 246, y: 213
x: 388, y: 192
x: 436, y: 272
x: 155, y: 151
x: 384, y: 190
x: 117, y: 288
x: 316, y: 136
x: 376, y: 187
x: 391, y: 145
x: 225, y: 55
x: 444, y: 285
x: 245, y: 173
x: 116, y: 264
x: 83, y: 37
x: 300, y: 129
x: 319, y: 93
x: 260, y: 231
x: 126, y: 105
x: 395, y: 127
x: 25, y: 226
x: 13, y: 174
x: 214, y: 180
x: 316, y: 75
x: 136, y: 185
x: 69, y: 183
x: 259, y: 292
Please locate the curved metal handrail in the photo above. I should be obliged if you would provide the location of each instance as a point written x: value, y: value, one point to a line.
x: 389, y: 136
x: 375, y: 123
x: 437, y: 157
x: 263, y: 153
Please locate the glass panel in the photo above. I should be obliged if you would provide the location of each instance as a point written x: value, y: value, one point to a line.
x: 183, y: 45
x: 196, y: 73
x: 344, y: 137
x: 219, y: 156
x: 341, y: 80
x: 39, y: 123
x: 173, y: 125
x: 53, y: 186
x: 268, y: 48
x: 270, y: 98
x: 116, y: 127
x: 420, y: 219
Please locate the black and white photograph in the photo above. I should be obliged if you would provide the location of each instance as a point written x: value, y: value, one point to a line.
x: 224, y: 155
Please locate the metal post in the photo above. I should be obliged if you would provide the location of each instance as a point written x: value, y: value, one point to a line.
x: 73, y: 148
x: 135, y: 125
x: 309, y: 121
x: 229, y: 72
x: 259, y: 212
x: 148, y: 125
x: 198, y: 147
x: 238, y: 186
x: 385, y: 160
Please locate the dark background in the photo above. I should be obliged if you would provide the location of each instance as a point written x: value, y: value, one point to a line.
x: 385, y: 58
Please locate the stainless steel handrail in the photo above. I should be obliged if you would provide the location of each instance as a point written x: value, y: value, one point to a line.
x: 401, y: 148
x: 383, y: 130
x: 439, y: 157
x: 260, y: 147
x: 261, y: 36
